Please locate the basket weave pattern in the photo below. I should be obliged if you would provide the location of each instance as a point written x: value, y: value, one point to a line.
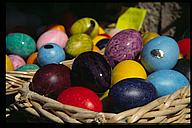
x: 174, y: 108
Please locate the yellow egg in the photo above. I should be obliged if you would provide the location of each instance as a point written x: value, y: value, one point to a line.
x: 101, y: 31
x: 96, y: 49
x: 149, y: 36
x: 180, y: 56
x: 104, y: 95
x: 9, y: 64
x: 127, y: 69
x: 98, y: 38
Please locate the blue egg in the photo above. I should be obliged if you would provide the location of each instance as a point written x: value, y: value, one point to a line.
x: 50, y: 53
x: 167, y: 81
x: 130, y: 93
x: 160, y: 53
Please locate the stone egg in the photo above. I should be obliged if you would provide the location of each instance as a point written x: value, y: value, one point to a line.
x: 50, y: 80
x: 28, y: 67
x: 78, y: 44
x: 17, y: 61
x: 167, y: 81
x: 56, y: 36
x: 160, y: 53
x: 81, y: 97
x: 91, y: 70
x: 9, y: 64
x: 50, y: 53
x: 20, y: 44
x: 130, y: 93
x: 85, y: 25
x: 125, y: 45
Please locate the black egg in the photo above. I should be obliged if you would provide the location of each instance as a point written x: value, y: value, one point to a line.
x: 130, y: 93
x: 91, y: 70
x: 102, y: 43
x: 183, y: 66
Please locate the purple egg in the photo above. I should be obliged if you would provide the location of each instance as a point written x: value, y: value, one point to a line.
x: 125, y: 45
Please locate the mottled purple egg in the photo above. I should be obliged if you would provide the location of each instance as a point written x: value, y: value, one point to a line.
x: 91, y: 70
x: 124, y: 45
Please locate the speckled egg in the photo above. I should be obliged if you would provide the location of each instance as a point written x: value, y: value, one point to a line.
x: 56, y: 36
x: 91, y: 70
x: 167, y: 81
x: 50, y: 53
x: 28, y: 67
x: 85, y: 25
x: 127, y: 69
x: 20, y: 44
x: 17, y: 61
x: 130, y: 93
x: 78, y: 44
x: 124, y: 45
x: 160, y: 53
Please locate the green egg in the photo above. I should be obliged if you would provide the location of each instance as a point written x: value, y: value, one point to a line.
x: 86, y: 25
x: 20, y: 44
x: 28, y: 67
x: 78, y: 44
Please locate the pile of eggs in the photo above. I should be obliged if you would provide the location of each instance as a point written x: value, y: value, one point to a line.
x: 134, y: 70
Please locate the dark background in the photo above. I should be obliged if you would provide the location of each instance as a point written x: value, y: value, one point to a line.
x: 32, y: 16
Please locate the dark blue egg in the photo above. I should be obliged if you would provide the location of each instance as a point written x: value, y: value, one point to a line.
x: 50, y: 53
x: 102, y: 43
x: 160, y: 53
x: 130, y: 93
x: 91, y: 70
x: 167, y: 81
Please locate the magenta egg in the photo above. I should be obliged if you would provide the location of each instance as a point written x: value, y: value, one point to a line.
x: 56, y: 36
x: 17, y: 61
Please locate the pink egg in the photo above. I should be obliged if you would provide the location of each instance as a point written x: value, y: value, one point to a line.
x: 114, y: 31
x: 17, y: 61
x: 52, y: 36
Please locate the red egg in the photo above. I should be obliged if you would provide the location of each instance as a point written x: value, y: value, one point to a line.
x: 81, y: 97
x: 50, y: 80
x: 184, y: 46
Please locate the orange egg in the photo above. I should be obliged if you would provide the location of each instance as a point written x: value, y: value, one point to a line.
x: 101, y: 31
x: 57, y: 27
x: 32, y: 59
x: 96, y: 49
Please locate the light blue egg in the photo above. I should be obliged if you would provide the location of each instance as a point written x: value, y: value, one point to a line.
x: 160, y: 53
x: 50, y: 53
x: 167, y: 81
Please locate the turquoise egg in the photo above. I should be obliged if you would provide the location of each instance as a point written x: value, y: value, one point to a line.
x: 167, y: 81
x: 28, y: 67
x: 20, y: 44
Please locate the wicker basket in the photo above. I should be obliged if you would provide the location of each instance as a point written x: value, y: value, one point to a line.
x: 174, y: 108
